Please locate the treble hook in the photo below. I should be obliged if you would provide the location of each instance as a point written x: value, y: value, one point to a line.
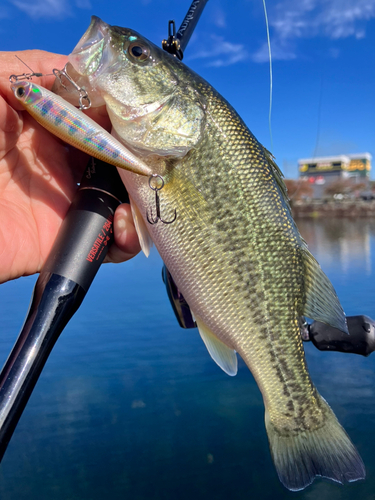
x: 156, y: 183
x: 83, y: 95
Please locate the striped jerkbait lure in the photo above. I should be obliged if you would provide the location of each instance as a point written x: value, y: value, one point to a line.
x: 74, y: 127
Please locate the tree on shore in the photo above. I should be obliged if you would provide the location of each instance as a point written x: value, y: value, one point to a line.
x: 344, y: 186
x: 298, y: 189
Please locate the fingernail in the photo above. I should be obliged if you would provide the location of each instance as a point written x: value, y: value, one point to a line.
x: 121, y: 222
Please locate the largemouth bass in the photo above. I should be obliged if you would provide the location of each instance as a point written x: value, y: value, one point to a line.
x: 234, y: 250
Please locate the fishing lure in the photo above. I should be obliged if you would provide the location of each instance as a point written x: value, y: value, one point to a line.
x: 72, y: 126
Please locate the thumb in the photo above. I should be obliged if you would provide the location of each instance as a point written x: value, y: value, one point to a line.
x: 126, y: 244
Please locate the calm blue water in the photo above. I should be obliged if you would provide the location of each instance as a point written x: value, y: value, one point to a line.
x: 130, y: 406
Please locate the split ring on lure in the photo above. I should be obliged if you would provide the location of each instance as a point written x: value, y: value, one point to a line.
x: 72, y: 126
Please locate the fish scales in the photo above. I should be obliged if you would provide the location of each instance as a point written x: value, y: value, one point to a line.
x: 234, y: 250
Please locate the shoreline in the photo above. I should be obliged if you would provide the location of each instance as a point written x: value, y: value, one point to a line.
x: 342, y: 208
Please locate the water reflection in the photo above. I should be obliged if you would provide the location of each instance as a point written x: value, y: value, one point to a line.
x: 343, y: 242
x: 345, y: 248
x: 131, y: 406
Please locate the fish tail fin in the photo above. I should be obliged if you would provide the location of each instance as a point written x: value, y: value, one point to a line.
x: 326, y: 451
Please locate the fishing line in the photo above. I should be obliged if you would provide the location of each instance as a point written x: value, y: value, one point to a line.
x: 271, y: 80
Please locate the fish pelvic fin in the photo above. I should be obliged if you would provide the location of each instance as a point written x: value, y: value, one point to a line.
x: 326, y: 452
x: 143, y: 235
x: 321, y: 303
x: 224, y: 356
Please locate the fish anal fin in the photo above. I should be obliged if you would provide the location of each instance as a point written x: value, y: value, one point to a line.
x: 224, y: 356
x: 140, y: 226
x: 322, y: 303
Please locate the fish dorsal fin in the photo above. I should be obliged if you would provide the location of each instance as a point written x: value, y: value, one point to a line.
x: 223, y: 355
x: 140, y: 226
x: 278, y: 175
x: 322, y: 303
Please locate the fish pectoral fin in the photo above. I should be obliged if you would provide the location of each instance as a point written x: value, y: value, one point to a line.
x: 322, y: 303
x: 223, y: 355
x: 140, y: 226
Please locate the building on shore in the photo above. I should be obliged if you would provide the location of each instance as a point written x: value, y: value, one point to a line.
x: 322, y: 171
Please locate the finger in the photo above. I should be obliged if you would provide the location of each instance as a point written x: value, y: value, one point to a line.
x: 39, y: 61
x: 126, y: 243
x: 10, y: 128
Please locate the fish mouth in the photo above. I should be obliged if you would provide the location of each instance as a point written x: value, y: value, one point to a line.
x: 86, y: 57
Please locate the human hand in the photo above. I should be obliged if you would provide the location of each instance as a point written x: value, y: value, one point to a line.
x: 38, y: 177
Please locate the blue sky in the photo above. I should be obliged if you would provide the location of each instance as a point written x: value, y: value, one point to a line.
x: 323, y: 61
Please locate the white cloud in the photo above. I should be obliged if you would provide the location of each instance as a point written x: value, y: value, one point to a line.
x: 219, y: 52
x: 280, y: 52
x: 49, y: 8
x: 331, y: 18
x: 291, y: 20
x: 43, y: 8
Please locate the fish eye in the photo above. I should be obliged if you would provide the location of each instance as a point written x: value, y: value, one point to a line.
x: 20, y: 92
x: 139, y: 51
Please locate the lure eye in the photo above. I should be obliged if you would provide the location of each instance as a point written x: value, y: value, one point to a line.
x: 139, y: 51
x: 20, y: 92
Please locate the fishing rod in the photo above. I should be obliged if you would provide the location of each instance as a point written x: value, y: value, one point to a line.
x: 81, y: 245
x: 176, y: 43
